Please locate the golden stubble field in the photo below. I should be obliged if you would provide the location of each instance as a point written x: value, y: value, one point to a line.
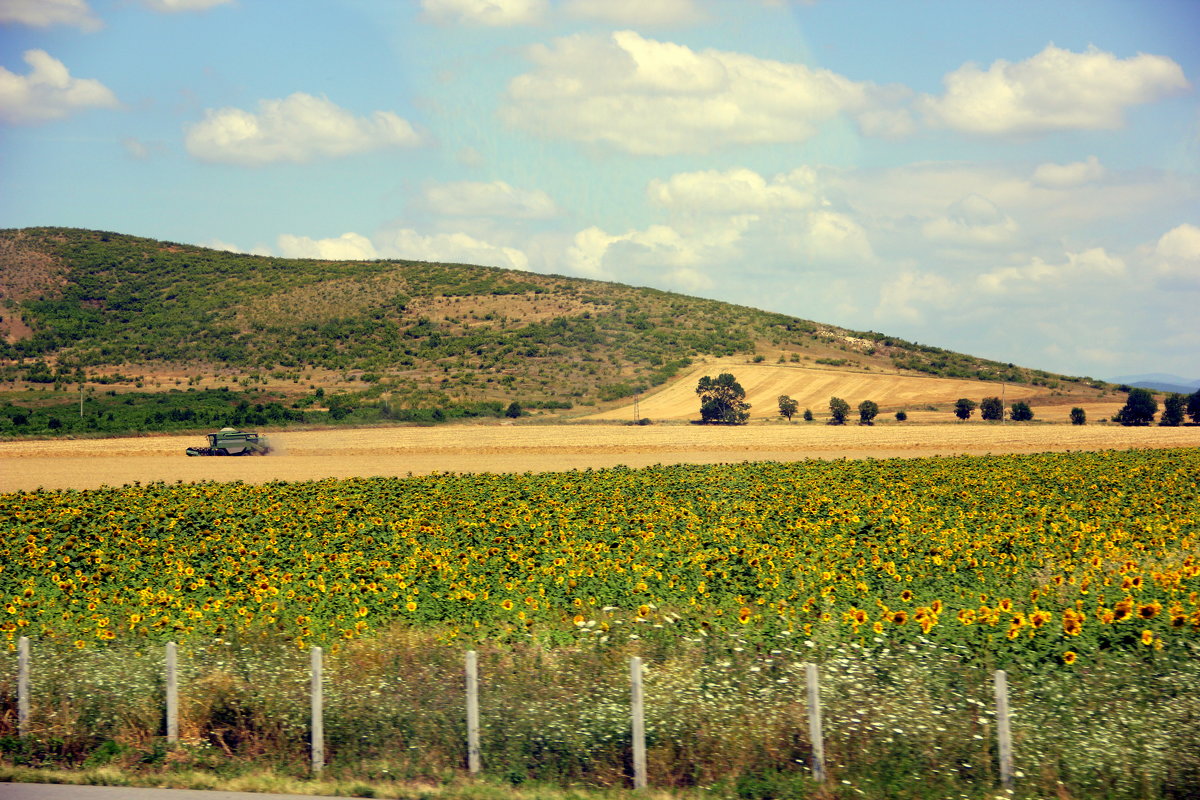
x: 522, y: 447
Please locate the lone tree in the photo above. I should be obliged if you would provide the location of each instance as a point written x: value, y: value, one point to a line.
x: 867, y: 410
x: 1020, y: 412
x: 1193, y: 406
x: 808, y: 415
x: 991, y: 408
x: 963, y: 408
x: 1139, y: 408
x: 838, y: 409
x: 722, y: 401
x: 787, y: 407
x: 1078, y: 416
x: 1173, y: 408
x: 901, y: 416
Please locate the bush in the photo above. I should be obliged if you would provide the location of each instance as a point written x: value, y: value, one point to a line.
x: 1078, y: 416
x: 1020, y: 412
x: 901, y: 416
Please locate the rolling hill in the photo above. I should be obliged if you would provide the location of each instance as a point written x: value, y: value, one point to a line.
x: 121, y: 315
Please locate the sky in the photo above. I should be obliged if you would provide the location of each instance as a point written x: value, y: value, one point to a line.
x: 1018, y: 180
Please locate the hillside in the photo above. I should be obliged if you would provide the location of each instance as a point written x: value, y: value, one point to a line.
x: 120, y: 313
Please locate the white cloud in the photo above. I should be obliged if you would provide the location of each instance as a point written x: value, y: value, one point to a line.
x: 459, y: 248
x: 1054, y: 90
x: 491, y: 13
x: 636, y: 12
x: 658, y: 254
x: 971, y: 220
x: 832, y: 236
x: 176, y: 6
x: 654, y: 98
x: 297, y: 128
x: 905, y: 297
x: 46, y: 13
x: 48, y: 92
x: 733, y: 191
x: 1090, y: 265
x: 494, y: 199
x: 1062, y: 176
x: 347, y: 247
x: 1177, y: 254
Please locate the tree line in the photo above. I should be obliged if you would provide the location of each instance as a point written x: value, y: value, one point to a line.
x: 723, y: 401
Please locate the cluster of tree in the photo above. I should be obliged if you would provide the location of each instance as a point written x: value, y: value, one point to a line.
x: 1140, y: 408
x: 839, y: 409
x: 992, y: 408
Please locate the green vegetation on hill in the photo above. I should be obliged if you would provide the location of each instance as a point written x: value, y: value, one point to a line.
x: 399, y: 336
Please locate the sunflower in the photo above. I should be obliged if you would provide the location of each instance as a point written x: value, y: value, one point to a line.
x: 1147, y: 637
x: 1150, y: 610
x: 1069, y: 657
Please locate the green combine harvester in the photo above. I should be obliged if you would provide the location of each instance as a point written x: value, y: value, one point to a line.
x: 232, y: 442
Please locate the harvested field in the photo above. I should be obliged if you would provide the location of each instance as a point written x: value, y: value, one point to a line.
x: 812, y: 388
x: 308, y: 455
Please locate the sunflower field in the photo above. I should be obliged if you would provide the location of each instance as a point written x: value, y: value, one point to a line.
x: 1078, y: 572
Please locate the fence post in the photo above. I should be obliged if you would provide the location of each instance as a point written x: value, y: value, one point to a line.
x: 638, y: 713
x: 472, y: 712
x: 814, y: 722
x: 23, y: 686
x: 318, y: 713
x: 1003, y: 731
x: 172, y: 695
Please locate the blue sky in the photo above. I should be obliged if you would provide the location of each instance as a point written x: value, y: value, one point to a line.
x: 1015, y: 180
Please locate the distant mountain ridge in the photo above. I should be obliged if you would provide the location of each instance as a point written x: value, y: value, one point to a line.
x: 1159, y: 382
x: 77, y: 303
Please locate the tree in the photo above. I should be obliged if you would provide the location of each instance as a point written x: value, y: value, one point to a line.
x: 1139, y: 409
x: 722, y: 401
x: 867, y: 411
x: 1173, y: 407
x: 513, y: 411
x: 1078, y: 416
x: 963, y: 408
x: 1020, y: 412
x: 808, y: 415
x: 787, y: 407
x: 838, y: 409
x: 991, y: 408
x: 901, y: 416
x: 1193, y: 406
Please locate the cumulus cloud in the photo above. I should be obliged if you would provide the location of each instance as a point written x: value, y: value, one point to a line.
x: 656, y: 98
x: 297, y: 128
x: 1093, y: 264
x: 48, y: 92
x: 971, y: 220
x: 734, y: 191
x: 494, y: 199
x: 905, y: 297
x: 176, y: 6
x: 1054, y: 90
x: 1177, y: 254
x: 635, y: 12
x: 47, y: 13
x: 490, y: 13
x: 1063, y: 176
x: 661, y: 254
x: 459, y: 248
x: 347, y: 247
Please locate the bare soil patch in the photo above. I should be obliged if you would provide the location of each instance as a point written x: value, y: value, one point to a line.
x: 311, y: 455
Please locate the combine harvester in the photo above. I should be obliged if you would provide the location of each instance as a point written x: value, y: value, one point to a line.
x: 232, y: 442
